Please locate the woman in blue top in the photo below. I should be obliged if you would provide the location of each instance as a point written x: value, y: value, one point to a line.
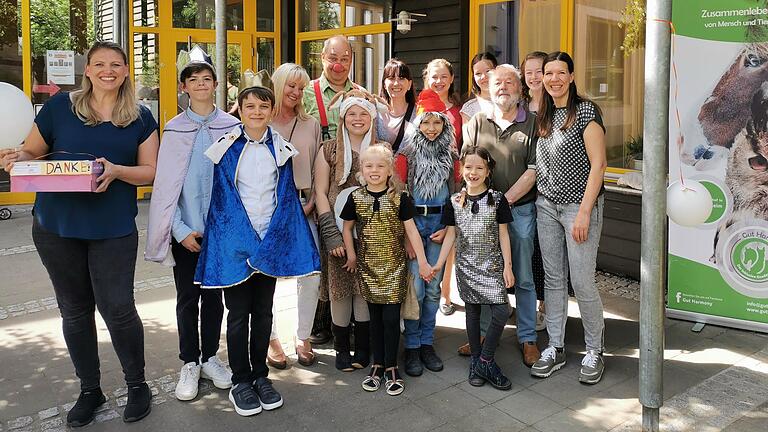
x: 87, y: 241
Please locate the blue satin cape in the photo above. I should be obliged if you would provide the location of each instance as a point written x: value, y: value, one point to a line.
x: 232, y: 250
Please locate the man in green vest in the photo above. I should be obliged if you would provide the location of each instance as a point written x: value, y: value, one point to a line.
x: 337, y: 60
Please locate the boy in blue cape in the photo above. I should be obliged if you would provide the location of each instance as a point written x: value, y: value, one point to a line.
x: 255, y: 232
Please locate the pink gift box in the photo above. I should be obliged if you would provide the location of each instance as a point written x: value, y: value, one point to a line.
x: 55, y: 176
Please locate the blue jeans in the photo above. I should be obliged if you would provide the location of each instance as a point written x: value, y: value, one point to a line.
x: 422, y: 331
x: 563, y: 256
x: 522, y: 230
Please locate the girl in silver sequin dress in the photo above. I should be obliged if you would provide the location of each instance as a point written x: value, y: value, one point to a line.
x: 476, y: 219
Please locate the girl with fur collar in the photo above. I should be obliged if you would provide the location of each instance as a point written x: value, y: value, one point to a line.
x: 429, y: 166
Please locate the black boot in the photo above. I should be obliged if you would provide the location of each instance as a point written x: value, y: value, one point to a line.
x: 490, y: 371
x: 413, y: 365
x: 341, y: 345
x: 475, y: 380
x: 362, y: 355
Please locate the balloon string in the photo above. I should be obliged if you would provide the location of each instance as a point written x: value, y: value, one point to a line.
x: 675, y: 91
x: 65, y: 152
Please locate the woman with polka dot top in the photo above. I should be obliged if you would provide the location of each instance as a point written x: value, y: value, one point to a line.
x: 570, y: 163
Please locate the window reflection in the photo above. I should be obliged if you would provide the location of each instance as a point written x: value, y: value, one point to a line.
x: 201, y: 14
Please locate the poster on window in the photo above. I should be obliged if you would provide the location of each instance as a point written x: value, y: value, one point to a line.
x: 61, y: 66
x: 718, y: 271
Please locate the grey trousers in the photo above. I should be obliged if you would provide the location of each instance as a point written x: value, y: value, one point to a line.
x: 561, y: 255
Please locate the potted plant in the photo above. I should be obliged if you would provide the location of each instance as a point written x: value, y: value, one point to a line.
x: 634, y: 152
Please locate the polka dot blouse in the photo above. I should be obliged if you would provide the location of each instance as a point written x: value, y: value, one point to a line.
x: 562, y: 165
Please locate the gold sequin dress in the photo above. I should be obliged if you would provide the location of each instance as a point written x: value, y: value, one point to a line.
x: 381, y: 261
x: 335, y: 282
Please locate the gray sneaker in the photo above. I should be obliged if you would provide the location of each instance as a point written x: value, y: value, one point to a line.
x: 550, y: 361
x: 592, y: 368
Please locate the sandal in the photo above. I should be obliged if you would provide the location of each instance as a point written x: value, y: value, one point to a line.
x: 394, y: 384
x: 274, y: 356
x: 305, y: 357
x: 372, y: 382
x: 465, y: 350
x: 447, y: 309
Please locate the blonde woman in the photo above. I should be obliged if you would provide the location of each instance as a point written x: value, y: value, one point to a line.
x: 293, y: 123
x: 87, y: 241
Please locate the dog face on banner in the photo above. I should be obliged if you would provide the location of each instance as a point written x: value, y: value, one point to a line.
x: 747, y: 172
x: 725, y: 112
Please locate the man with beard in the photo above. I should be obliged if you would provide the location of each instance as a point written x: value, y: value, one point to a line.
x: 430, y: 168
x: 508, y: 133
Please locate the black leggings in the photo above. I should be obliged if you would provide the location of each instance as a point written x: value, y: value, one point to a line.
x: 499, y: 316
x: 89, y: 275
x: 385, y: 333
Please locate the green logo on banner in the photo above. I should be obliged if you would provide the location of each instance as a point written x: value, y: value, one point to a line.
x: 750, y: 259
x: 727, y: 21
x: 719, y: 202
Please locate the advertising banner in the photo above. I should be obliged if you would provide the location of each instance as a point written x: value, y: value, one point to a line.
x: 718, y: 271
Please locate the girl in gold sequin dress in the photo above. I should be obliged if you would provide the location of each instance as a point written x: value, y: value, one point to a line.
x: 381, y: 215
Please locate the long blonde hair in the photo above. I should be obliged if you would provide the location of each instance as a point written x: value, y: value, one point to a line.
x: 126, y: 110
x: 287, y: 72
x: 394, y: 186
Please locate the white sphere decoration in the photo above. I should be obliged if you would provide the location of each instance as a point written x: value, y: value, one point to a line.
x: 688, y: 205
x: 16, y: 116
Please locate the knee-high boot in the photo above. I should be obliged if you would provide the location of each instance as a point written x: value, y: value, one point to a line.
x: 341, y: 345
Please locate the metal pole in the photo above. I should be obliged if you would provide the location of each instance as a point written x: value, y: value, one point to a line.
x: 120, y: 23
x: 654, y: 223
x: 221, y: 53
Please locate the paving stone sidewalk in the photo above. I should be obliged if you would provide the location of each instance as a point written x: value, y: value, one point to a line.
x: 713, y: 380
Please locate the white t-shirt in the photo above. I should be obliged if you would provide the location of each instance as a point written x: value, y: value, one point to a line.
x: 387, y: 127
x: 256, y: 179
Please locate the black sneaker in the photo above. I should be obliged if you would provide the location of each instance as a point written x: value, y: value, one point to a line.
x: 489, y: 371
x: 413, y: 362
x: 269, y: 397
x: 430, y: 359
x: 244, y: 399
x: 85, y: 408
x: 139, y: 403
x: 475, y: 380
x: 320, y: 337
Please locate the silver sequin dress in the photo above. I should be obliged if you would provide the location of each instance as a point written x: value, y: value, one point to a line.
x: 479, y: 263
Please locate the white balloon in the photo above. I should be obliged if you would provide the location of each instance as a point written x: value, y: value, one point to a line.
x: 16, y: 116
x: 688, y: 205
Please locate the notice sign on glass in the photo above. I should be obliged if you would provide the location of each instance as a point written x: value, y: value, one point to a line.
x: 61, y: 66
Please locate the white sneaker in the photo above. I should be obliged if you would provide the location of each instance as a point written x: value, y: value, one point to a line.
x: 217, y: 372
x: 186, y: 388
x: 541, y: 321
